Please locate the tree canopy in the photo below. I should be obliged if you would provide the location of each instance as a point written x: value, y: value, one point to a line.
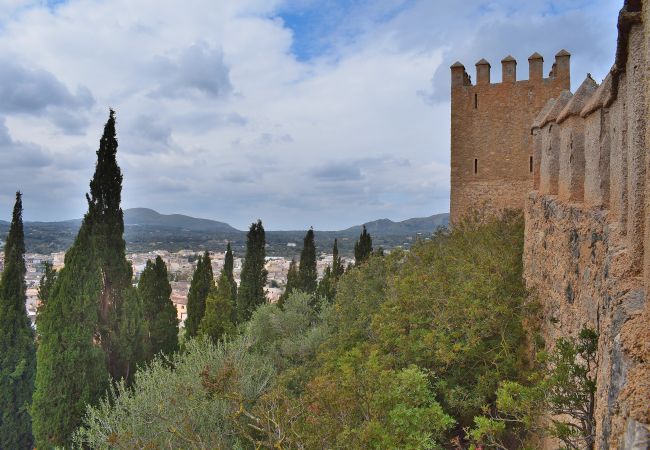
x: 217, y: 320
x: 363, y: 247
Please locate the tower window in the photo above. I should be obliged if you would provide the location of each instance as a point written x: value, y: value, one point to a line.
x: 531, y: 164
x: 475, y: 101
x: 475, y: 165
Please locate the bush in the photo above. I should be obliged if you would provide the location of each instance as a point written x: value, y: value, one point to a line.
x: 564, y: 386
x: 290, y: 337
x: 455, y: 307
x: 195, y: 404
x: 363, y: 404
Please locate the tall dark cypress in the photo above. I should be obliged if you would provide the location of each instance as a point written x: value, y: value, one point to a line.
x: 160, y: 319
x: 17, y: 353
x: 92, y: 324
x: 202, y: 284
x: 363, y: 247
x: 251, y: 292
x: 120, y: 309
x: 308, y: 275
x: 228, y: 270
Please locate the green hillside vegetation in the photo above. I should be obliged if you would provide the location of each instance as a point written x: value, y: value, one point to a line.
x: 412, y: 350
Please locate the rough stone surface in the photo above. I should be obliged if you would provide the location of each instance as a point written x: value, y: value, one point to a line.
x: 585, y: 249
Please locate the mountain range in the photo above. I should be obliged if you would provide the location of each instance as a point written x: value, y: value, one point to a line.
x: 146, y: 229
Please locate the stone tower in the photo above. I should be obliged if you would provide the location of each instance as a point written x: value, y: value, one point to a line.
x: 492, y: 163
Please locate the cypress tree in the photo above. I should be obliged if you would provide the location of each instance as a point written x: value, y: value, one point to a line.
x: 46, y: 285
x: 293, y: 278
x: 202, y: 283
x: 92, y: 325
x: 217, y: 320
x: 363, y: 247
x: 308, y: 275
x: 337, y: 265
x: 17, y: 353
x: 253, y: 276
x: 159, y: 313
x: 228, y: 269
x: 120, y: 309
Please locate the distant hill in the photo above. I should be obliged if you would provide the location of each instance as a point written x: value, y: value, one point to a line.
x: 150, y: 218
x: 425, y: 225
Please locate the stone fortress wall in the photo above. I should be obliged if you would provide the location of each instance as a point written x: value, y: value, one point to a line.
x: 586, y: 221
x: 587, y: 217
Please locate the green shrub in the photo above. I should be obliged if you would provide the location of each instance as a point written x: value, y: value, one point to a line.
x: 455, y: 307
x: 564, y: 386
x: 192, y: 405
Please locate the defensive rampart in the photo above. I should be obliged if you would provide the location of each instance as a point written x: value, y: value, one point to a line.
x: 588, y: 228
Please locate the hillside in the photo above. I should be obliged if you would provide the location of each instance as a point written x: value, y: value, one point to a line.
x: 149, y: 217
x: 425, y: 225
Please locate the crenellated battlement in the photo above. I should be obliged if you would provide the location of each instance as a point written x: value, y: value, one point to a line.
x: 492, y: 150
x: 560, y: 71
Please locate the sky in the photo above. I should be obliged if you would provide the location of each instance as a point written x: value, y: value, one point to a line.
x: 298, y: 112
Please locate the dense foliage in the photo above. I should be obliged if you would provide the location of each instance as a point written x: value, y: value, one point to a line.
x: 159, y: 313
x: 251, y: 292
x: 202, y: 284
x: 412, y: 348
x: 17, y: 353
x: 92, y: 325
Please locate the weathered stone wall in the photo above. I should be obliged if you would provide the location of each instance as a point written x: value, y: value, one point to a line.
x: 491, y: 141
x: 585, y: 250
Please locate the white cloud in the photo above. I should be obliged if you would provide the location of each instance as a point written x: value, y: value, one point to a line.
x: 218, y: 118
